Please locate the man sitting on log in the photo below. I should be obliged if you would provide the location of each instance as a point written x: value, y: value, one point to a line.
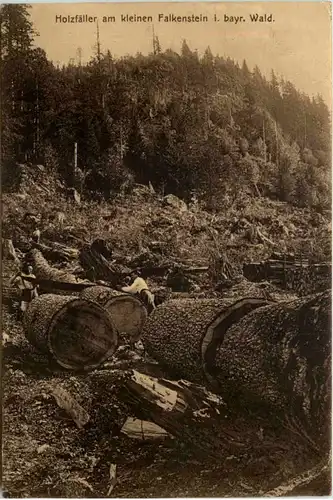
x: 140, y: 288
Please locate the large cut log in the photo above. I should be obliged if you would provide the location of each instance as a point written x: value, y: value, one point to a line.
x: 77, y: 333
x: 127, y: 312
x: 183, y: 334
x: 279, y: 357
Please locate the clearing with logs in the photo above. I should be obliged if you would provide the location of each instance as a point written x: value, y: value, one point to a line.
x: 166, y: 255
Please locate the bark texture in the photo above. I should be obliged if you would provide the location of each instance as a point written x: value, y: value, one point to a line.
x: 279, y: 357
x: 78, y: 334
x: 183, y: 334
x: 44, y: 271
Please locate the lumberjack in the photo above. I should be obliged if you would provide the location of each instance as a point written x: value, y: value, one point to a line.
x: 28, y: 288
x: 140, y: 288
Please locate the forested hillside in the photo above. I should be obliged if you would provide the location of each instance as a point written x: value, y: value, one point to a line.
x: 185, y: 123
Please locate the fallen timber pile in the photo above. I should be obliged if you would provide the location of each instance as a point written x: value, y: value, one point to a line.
x: 214, y: 347
x: 275, y: 356
x: 290, y: 272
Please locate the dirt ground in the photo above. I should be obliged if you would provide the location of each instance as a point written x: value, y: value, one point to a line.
x: 44, y: 453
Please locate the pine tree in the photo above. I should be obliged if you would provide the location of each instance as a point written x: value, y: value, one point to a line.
x: 16, y: 48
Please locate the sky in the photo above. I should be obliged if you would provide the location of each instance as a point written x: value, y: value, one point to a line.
x: 296, y: 44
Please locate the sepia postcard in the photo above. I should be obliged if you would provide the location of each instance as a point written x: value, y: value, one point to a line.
x: 166, y: 249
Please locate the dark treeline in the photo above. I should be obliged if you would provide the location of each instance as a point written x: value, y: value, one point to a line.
x: 186, y: 123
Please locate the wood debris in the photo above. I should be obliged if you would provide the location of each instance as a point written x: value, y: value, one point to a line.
x: 68, y: 403
x: 113, y: 478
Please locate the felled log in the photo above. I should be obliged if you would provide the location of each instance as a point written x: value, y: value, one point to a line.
x: 9, y: 251
x: 279, y: 357
x: 50, y: 279
x: 57, y: 252
x: 43, y: 270
x: 53, y: 285
x: 127, y: 312
x: 10, y: 294
x: 77, y: 333
x: 184, y: 334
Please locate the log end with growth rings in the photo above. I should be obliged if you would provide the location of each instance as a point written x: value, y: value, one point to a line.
x: 127, y: 312
x: 79, y: 334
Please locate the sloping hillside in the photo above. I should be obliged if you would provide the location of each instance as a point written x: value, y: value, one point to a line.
x: 144, y: 221
x: 143, y: 228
